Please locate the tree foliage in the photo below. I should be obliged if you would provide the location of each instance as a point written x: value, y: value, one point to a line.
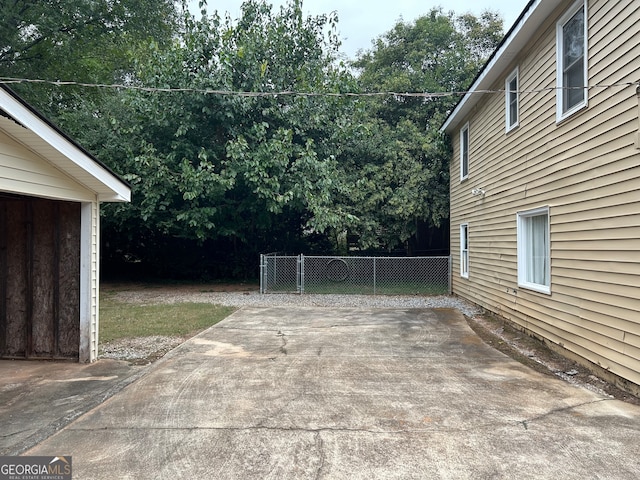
x: 242, y: 170
x: 218, y: 178
x: 399, y: 156
x: 84, y: 41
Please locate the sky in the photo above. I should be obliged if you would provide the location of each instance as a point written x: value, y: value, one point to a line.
x: 361, y: 21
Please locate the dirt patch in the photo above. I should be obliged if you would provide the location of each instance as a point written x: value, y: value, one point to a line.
x: 536, y: 355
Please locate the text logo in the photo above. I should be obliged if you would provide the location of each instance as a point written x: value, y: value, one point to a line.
x: 35, y: 468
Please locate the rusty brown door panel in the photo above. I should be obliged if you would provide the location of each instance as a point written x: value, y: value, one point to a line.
x: 40, y: 278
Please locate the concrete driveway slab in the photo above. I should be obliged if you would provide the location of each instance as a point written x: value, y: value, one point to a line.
x: 37, y: 398
x: 349, y: 393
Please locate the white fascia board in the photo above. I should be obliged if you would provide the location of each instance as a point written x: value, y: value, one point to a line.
x: 520, y: 34
x: 117, y: 191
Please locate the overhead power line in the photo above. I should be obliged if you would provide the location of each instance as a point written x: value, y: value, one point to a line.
x: 207, y: 91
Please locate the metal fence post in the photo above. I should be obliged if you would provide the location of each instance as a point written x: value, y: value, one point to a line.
x: 262, y: 270
x: 374, y: 275
x: 300, y: 274
x: 450, y: 275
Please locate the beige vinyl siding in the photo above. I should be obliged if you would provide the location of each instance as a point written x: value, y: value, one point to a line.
x: 95, y: 277
x: 24, y: 172
x: 89, y: 281
x: 586, y: 169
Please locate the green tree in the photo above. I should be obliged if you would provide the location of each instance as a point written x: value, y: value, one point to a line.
x: 397, y: 160
x: 438, y: 52
x: 252, y: 172
x: 77, y: 40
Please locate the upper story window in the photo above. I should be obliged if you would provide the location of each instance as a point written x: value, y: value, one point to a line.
x: 571, y: 36
x: 464, y: 152
x: 512, y: 100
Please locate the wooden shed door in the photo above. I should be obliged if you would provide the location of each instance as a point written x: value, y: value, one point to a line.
x: 39, y: 278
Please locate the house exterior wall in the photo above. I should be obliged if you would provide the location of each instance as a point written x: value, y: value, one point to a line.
x: 586, y: 170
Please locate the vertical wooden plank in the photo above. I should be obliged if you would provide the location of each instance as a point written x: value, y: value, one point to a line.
x: 69, y: 281
x: 3, y: 277
x: 43, y: 274
x: 55, y: 317
x: 16, y: 274
x: 28, y: 267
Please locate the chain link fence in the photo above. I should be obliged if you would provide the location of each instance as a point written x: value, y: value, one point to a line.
x: 355, y: 275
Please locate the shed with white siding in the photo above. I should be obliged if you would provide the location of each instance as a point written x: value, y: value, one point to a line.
x: 50, y: 195
x: 545, y: 225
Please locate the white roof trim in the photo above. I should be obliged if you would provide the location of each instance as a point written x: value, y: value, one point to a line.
x: 64, y: 154
x: 534, y: 16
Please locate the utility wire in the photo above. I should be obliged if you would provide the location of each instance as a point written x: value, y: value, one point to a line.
x: 206, y: 91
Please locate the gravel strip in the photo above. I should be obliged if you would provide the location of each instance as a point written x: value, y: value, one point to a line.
x: 255, y: 299
x: 139, y: 350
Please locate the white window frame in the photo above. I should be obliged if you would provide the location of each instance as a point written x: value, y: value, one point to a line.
x: 464, y: 154
x: 561, y: 114
x: 510, y: 123
x: 526, y: 259
x: 464, y: 250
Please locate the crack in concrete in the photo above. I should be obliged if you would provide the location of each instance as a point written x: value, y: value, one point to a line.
x: 320, y: 447
x: 349, y: 325
x: 314, y: 431
x: 7, y: 435
x: 283, y: 347
x: 525, y: 423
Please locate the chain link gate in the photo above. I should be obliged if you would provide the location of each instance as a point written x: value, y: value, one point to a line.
x: 355, y: 275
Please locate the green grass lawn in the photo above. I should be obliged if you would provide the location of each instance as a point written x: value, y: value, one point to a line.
x: 125, y: 320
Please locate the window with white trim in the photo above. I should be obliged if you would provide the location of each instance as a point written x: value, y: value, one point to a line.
x: 512, y: 100
x: 464, y: 250
x: 534, y: 251
x: 571, y: 53
x: 464, y: 152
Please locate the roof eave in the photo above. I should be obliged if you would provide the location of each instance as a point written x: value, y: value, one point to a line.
x: 109, y: 187
x: 525, y: 27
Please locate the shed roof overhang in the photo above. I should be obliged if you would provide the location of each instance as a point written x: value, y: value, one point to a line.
x: 525, y: 27
x: 34, y: 131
